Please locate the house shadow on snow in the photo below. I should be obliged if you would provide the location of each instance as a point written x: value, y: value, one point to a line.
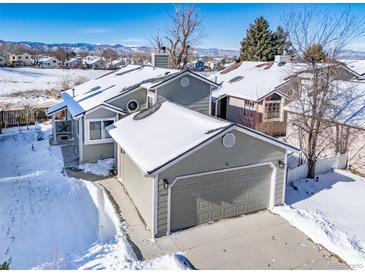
x: 305, y: 188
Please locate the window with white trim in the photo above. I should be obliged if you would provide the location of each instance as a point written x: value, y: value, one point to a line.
x: 249, y: 104
x: 96, y: 132
x: 272, y: 110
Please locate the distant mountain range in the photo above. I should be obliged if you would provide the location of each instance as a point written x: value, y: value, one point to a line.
x: 77, y: 47
x: 353, y: 54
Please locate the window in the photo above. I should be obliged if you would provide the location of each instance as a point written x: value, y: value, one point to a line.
x: 150, y: 101
x: 184, y: 82
x: 249, y: 104
x: 26, y: 57
x: 97, y: 131
x: 272, y: 110
x: 133, y: 105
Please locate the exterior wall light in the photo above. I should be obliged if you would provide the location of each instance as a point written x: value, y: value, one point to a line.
x: 281, y: 164
x: 165, y: 184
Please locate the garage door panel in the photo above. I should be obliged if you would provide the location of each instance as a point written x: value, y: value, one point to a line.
x: 201, y: 199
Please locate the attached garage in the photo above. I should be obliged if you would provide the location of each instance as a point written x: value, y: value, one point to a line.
x: 202, y: 170
x: 206, y: 197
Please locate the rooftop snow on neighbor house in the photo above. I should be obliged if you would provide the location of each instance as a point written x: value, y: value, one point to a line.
x: 95, y: 92
x: 356, y: 65
x: 253, y: 80
x: 349, y: 107
x: 165, y: 134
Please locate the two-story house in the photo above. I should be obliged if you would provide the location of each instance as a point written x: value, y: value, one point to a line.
x: 180, y: 165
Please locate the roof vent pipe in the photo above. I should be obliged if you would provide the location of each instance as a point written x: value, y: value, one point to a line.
x: 73, y: 92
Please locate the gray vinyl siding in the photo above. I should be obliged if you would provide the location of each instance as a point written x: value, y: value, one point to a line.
x: 95, y: 152
x: 139, y: 187
x: 196, y: 96
x: 214, y: 156
x: 122, y: 101
x: 100, y: 113
x: 75, y: 134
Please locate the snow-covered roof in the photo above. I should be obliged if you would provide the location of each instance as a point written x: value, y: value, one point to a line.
x: 55, y: 108
x: 116, y: 62
x: 93, y: 61
x: 46, y: 59
x: 253, y: 80
x: 165, y: 134
x: 349, y: 106
x: 356, y: 65
x: 93, y: 93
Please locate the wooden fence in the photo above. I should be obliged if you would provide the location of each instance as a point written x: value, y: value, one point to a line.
x: 322, y: 166
x: 13, y: 118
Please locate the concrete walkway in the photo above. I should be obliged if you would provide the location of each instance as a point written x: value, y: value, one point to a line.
x: 257, y: 241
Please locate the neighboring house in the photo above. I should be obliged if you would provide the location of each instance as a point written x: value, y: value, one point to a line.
x: 48, y: 62
x: 212, y: 65
x: 4, y: 60
x: 74, y: 63
x: 183, y: 168
x: 357, y: 66
x: 18, y: 60
x: 92, y: 106
x: 347, y: 115
x: 117, y: 63
x: 197, y: 65
x: 94, y: 62
x: 254, y: 93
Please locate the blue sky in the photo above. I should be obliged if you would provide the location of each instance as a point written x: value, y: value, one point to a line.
x: 133, y: 24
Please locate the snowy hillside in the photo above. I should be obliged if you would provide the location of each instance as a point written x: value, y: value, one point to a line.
x: 51, y: 221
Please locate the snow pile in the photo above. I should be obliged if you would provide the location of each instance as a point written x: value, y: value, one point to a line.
x: 51, y: 221
x: 101, y: 167
x: 330, y: 212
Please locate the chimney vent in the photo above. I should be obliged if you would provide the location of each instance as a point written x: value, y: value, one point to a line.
x: 73, y: 92
x: 160, y: 60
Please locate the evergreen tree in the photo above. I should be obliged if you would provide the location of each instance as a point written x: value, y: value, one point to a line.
x: 315, y: 54
x: 281, y: 42
x: 258, y: 45
x: 4, y: 266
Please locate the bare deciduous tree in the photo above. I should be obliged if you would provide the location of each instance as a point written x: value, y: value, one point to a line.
x: 110, y: 54
x: 331, y: 33
x: 184, y: 32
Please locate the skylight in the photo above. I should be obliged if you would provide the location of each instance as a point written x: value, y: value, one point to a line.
x: 235, y: 79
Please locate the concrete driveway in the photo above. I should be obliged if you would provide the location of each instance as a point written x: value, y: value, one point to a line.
x: 257, y: 241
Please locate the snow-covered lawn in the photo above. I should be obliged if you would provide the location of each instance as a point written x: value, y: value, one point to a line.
x: 51, y: 221
x: 39, y: 87
x: 28, y: 79
x: 331, y: 212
